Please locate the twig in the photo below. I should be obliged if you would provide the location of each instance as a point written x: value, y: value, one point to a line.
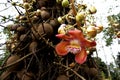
x: 75, y: 13
x: 9, y: 65
x: 5, y: 9
x: 41, y: 37
x: 2, y: 26
x: 71, y: 70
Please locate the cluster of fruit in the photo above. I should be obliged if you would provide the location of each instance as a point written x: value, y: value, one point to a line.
x: 33, y: 38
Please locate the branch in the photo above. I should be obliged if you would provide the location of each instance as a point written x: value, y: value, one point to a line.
x: 75, y: 13
x: 17, y: 61
x: 68, y: 68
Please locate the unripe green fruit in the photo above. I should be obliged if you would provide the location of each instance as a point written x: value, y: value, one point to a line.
x: 65, y: 3
x: 60, y: 20
x: 80, y: 16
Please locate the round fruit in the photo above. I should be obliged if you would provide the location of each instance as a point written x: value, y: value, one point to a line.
x: 45, y: 29
x: 22, y: 37
x: 99, y: 28
x: 91, y: 31
x: 33, y: 46
x: 60, y: 20
x: 54, y: 23
x: 41, y: 3
x: 4, y: 75
x: 93, y: 72
x: 45, y: 15
x: 38, y: 12
x: 21, y: 29
x: 23, y: 75
x: 65, y: 3
x: 11, y: 60
x: 92, y: 10
x: 62, y: 77
x: 26, y: 5
x: 80, y: 16
x: 13, y: 27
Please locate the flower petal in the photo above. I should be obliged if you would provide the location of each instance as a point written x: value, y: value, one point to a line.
x: 89, y: 43
x: 79, y: 35
x: 81, y: 57
x: 64, y: 36
x: 61, y: 48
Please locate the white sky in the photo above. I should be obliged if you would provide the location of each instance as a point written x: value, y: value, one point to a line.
x: 103, y: 10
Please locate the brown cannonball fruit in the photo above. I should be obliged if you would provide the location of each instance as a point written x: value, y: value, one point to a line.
x: 13, y: 27
x: 35, y: 19
x: 23, y: 75
x: 21, y: 29
x: 33, y: 46
x: 62, y: 77
x: 11, y: 60
x: 45, y: 15
x: 8, y: 45
x: 22, y: 37
x: 28, y: 76
x: 46, y: 29
x: 4, y: 75
x: 34, y: 34
x: 93, y: 72
x: 43, y: 8
x: 16, y: 36
x: 20, y: 73
x: 86, y: 69
x: 41, y: 3
x: 54, y: 23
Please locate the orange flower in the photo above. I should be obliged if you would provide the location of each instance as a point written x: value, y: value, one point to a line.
x: 74, y: 42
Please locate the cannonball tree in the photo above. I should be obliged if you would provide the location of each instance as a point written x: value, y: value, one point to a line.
x: 52, y: 40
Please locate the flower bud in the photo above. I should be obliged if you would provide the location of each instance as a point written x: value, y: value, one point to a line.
x: 91, y: 31
x: 61, y: 29
x: 80, y: 16
x: 99, y: 28
x: 60, y: 20
x: 65, y: 3
x: 26, y: 5
x: 92, y: 10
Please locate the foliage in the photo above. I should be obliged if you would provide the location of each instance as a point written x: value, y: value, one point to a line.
x: 102, y: 67
x: 115, y: 72
x: 113, y: 28
x: 118, y: 60
x: 108, y: 35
